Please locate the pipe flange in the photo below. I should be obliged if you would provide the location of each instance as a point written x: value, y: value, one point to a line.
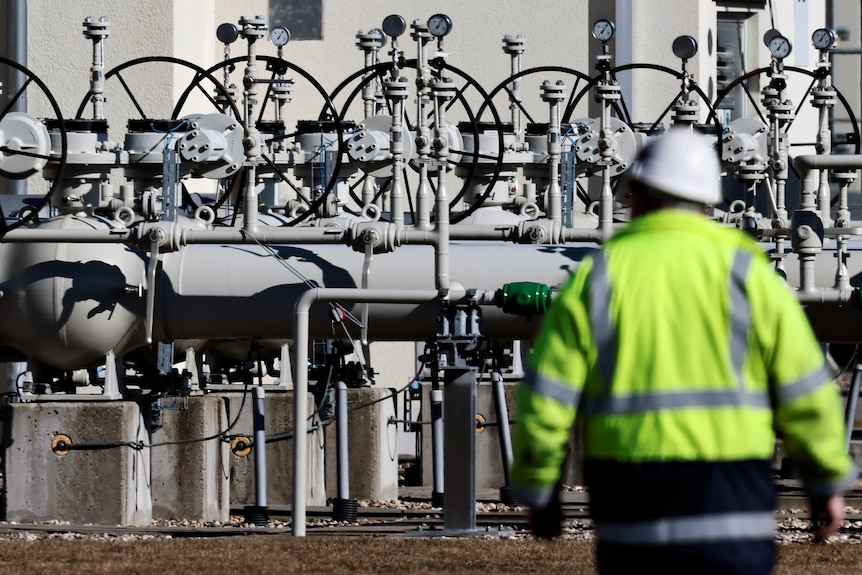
x: 481, y: 423
x: 60, y: 444
x: 241, y: 446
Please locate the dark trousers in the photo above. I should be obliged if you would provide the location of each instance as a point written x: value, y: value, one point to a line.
x: 736, y: 558
x: 636, y: 492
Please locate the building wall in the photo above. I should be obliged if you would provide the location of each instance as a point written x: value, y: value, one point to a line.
x: 557, y: 33
x: 846, y: 18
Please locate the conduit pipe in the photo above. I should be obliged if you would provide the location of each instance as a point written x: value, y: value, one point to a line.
x: 810, y: 165
x: 17, y: 51
x: 301, y: 350
x: 279, y: 235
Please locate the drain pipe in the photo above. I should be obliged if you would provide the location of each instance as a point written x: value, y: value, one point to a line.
x: 438, y: 485
x: 300, y: 385
x: 507, y: 495
x: 806, y: 228
x: 259, y: 512
x: 17, y: 50
x: 17, y: 46
x: 343, y: 507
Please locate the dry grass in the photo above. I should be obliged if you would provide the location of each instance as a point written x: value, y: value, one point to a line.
x: 337, y: 554
x: 263, y: 555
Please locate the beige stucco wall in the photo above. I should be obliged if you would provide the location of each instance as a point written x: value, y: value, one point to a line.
x: 557, y: 33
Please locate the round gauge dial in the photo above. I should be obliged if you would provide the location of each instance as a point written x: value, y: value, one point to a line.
x: 394, y: 25
x: 603, y: 30
x: 684, y: 47
x: 227, y: 33
x: 439, y: 25
x: 279, y: 36
x: 780, y: 47
x: 769, y: 35
x: 823, y: 38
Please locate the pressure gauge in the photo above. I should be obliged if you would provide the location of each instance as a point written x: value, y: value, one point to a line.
x: 769, y: 35
x: 227, y: 33
x: 684, y: 47
x: 279, y: 36
x: 394, y: 25
x: 603, y: 30
x: 823, y: 38
x: 439, y: 25
x: 780, y: 47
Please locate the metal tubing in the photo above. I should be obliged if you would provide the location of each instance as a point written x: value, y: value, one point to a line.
x: 17, y: 31
x: 822, y: 295
x: 41, y: 235
x: 342, y: 463
x: 503, y: 431
x: 852, y: 401
x: 810, y: 166
x: 316, y: 235
x: 441, y: 248
x: 259, y: 423
x: 300, y: 387
x: 438, y: 481
x: 828, y: 162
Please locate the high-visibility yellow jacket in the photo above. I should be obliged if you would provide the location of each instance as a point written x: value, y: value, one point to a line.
x: 678, y: 342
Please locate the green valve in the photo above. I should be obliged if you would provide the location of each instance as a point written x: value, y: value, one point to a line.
x: 524, y: 298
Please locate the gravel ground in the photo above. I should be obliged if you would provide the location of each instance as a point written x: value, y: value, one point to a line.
x: 54, y: 550
x: 792, y: 525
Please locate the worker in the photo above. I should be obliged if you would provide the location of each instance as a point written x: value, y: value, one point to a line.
x: 681, y: 353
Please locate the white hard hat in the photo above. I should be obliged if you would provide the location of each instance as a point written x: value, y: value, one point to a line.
x: 680, y: 163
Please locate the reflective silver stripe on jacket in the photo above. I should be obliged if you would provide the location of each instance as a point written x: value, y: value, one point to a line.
x: 694, y: 529
x: 673, y: 400
x: 740, y: 314
x: 606, y: 342
x: 804, y: 385
x: 600, y: 318
x: 547, y: 387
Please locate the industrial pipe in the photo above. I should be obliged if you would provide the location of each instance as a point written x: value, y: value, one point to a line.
x: 301, y: 349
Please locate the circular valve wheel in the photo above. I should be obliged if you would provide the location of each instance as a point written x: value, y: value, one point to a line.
x: 26, y: 145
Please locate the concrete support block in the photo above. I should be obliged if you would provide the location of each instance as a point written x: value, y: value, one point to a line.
x: 190, y: 478
x: 372, y: 446
x: 102, y: 485
x: 489, y: 458
x: 279, y: 454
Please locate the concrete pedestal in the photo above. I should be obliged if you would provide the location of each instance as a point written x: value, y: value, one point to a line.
x: 190, y: 478
x: 279, y: 454
x: 372, y: 446
x: 489, y: 458
x: 101, y: 485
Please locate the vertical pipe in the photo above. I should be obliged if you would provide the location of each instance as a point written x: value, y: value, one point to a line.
x: 503, y: 431
x: 438, y: 484
x: 423, y: 139
x: 300, y: 370
x: 300, y: 414
x: 442, y: 92
x: 342, y: 465
x: 398, y: 91
x: 259, y: 424
x: 252, y: 30
x: 852, y: 401
x: 17, y: 30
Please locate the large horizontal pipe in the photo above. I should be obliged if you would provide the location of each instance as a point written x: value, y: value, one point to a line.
x: 69, y: 304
